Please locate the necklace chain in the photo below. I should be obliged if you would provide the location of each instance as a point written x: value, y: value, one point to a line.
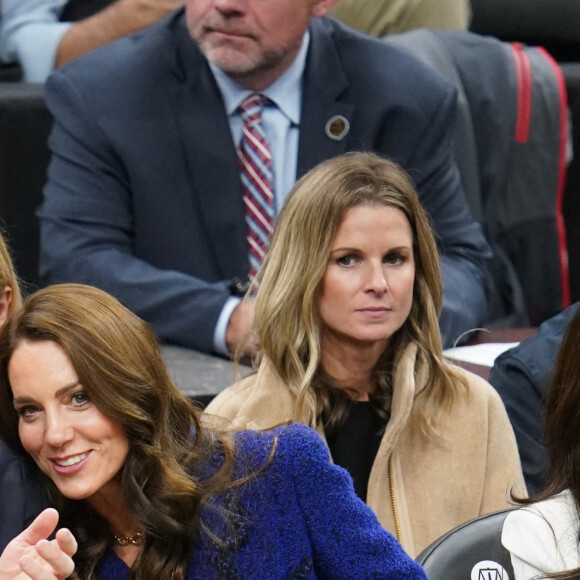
x: 136, y: 538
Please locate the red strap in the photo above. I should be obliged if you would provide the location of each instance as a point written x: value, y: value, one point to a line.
x: 562, y: 243
x: 524, y: 79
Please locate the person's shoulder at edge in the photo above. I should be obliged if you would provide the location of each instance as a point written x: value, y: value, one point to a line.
x: 544, y: 536
x: 535, y: 355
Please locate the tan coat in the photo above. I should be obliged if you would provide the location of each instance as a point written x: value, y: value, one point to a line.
x: 419, y: 487
x: 381, y: 17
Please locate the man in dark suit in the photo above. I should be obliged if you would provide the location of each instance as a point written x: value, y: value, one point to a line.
x: 144, y: 196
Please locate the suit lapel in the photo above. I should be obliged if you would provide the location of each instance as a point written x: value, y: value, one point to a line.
x: 209, y: 150
x: 210, y: 156
x: 323, y: 99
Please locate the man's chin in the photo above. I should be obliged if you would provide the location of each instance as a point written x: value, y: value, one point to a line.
x: 231, y: 56
x: 231, y: 62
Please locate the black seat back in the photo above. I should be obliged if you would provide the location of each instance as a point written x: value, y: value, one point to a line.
x: 471, y: 551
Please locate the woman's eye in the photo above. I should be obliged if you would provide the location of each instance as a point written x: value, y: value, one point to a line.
x: 26, y: 411
x: 346, y: 260
x: 79, y: 398
x: 394, y: 259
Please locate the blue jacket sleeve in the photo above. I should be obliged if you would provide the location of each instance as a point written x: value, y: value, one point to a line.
x: 346, y: 537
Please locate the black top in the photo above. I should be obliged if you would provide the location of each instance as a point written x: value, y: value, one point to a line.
x: 355, y: 443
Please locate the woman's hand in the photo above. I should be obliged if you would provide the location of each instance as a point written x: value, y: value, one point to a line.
x: 31, y: 555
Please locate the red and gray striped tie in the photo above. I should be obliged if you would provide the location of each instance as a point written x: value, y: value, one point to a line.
x: 255, y: 161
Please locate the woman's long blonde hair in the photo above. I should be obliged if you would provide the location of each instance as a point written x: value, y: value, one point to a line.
x: 8, y: 278
x: 287, y: 317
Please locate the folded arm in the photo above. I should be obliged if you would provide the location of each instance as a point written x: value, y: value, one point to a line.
x: 32, y: 34
x: 92, y: 210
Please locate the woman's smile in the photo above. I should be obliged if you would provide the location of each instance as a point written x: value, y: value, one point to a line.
x: 70, y: 464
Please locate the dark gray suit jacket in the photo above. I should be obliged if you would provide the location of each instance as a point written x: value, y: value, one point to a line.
x: 144, y: 198
x: 22, y: 496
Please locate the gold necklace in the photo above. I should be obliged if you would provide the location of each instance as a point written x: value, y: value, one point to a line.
x: 136, y: 538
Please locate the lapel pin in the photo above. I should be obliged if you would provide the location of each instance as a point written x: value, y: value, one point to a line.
x: 337, y: 127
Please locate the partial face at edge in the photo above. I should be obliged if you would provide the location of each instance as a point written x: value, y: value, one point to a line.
x: 5, y: 300
x: 76, y: 445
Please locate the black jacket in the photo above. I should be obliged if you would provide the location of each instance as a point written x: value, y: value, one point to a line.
x: 22, y: 496
x: 520, y: 376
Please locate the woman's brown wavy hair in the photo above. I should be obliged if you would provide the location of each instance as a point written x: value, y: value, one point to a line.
x: 119, y: 365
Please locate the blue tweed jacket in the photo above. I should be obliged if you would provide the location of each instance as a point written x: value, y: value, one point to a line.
x: 299, y: 518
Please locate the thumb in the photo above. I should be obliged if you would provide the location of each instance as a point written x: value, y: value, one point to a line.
x: 41, y: 527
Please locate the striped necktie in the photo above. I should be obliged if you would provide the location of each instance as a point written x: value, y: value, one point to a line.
x: 257, y: 183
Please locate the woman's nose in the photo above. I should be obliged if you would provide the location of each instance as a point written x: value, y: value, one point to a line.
x: 377, y: 278
x: 58, y: 430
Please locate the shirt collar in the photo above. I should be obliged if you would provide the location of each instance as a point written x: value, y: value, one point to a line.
x: 285, y: 91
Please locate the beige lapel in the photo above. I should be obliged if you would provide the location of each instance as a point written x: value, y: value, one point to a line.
x: 406, y: 380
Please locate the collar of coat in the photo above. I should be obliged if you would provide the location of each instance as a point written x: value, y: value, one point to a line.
x: 271, y: 403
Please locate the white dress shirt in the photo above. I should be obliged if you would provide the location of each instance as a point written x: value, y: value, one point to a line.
x: 281, y: 122
x: 30, y: 33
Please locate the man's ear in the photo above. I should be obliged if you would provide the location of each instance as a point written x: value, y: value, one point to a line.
x: 323, y: 7
x: 5, y: 304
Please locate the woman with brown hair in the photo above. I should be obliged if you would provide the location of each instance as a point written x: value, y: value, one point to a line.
x: 148, y: 489
x: 346, y: 314
x: 543, y: 537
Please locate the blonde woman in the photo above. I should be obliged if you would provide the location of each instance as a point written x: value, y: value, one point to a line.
x: 346, y: 315
x: 10, y: 297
